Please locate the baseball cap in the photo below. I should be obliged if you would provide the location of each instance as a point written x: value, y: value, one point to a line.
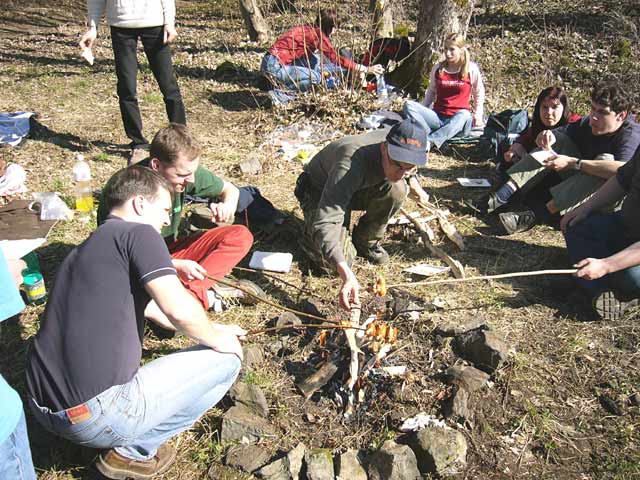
x: 407, y: 143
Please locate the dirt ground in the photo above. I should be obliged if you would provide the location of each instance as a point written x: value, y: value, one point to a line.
x: 541, y: 416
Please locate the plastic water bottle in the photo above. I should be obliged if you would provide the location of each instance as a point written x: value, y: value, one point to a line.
x: 381, y: 87
x: 82, y: 179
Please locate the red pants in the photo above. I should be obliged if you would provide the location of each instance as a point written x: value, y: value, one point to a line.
x: 218, y: 250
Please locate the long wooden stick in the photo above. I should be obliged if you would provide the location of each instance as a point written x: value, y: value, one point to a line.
x: 488, y: 277
x: 303, y: 326
x: 269, y: 302
x: 275, y: 277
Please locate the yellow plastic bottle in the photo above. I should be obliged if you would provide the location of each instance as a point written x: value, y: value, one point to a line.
x: 83, y: 192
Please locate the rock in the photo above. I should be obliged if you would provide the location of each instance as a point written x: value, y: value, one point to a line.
x: 393, y: 462
x: 457, y: 405
x: 313, y: 306
x: 481, y: 347
x: 251, y: 396
x: 285, y: 468
x: 239, y: 422
x: 251, y: 166
x: 319, y: 464
x: 253, y: 356
x: 247, y: 458
x: 295, y: 458
x: 452, y: 328
x: 288, y: 319
x: 610, y: 405
x: 349, y: 466
x: 439, y: 450
x: 470, y: 378
x: 278, y: 470
x: 635, y: 399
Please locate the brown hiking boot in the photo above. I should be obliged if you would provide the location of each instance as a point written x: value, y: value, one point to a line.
x: 116, y: 467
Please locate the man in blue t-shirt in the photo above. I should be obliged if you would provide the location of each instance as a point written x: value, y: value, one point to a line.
x: 84, y: 378
x: 15, y: 454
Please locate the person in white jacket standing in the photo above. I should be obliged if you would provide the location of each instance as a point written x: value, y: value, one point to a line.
x: 446, y: 109
x: 153, y: 22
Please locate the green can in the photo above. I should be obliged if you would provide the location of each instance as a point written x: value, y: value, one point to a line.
x: 35, y: 288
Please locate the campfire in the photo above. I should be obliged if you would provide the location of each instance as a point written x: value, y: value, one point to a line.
x: 353, y: 355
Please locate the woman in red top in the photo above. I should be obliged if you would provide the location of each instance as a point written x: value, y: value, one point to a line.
x: 551, y: 111
x: 292, y: 61
x: 446, y: 109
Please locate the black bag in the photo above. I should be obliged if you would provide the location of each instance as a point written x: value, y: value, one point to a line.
x: 501, y: 131
x: 383, y: 50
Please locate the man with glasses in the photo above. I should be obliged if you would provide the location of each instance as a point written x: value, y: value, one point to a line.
x: 583, y: 156
x: 359, y: 172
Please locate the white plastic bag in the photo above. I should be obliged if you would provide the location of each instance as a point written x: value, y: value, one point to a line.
x: 51, y: 206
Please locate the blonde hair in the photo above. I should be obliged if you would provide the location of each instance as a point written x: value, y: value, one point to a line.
x: 457, y: 40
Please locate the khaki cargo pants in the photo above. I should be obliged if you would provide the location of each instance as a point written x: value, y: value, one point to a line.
x: 576, y: 187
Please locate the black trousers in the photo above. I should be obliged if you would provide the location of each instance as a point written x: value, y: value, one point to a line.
x: 125, y: 43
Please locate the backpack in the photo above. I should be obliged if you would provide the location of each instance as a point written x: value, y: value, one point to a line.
x: 383, y: 50
x: 501, y: 131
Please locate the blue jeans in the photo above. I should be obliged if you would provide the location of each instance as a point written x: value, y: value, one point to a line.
x: 15, y: 455
x: 439, y: 127
x: 164, y: 398
x: 300, y: 75
x: 600, y: 236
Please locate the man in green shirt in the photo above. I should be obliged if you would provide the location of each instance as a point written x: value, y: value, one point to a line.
x: 359, y: 172
x: 175, y: 154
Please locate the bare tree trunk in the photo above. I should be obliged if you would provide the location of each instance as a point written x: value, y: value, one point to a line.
x: 255, y: 22
x: 382, y: 18
x: 437, y: 19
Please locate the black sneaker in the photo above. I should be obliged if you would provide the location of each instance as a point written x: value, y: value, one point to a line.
x: 608, y: 307
x: 373, y: 253
x: 516, y: 222
x: 486, y: 204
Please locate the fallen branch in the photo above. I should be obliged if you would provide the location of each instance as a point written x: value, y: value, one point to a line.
x: 456, y: 267
x: 533, y: 273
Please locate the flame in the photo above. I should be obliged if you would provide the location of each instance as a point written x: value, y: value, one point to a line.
x: 322, y: 338
x: 380, y: 287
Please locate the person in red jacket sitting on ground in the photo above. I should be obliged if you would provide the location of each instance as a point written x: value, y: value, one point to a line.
x: 300, y: 57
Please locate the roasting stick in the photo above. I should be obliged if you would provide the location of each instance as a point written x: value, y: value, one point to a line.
x: 276, y: 277
x: 305, y: 325
x: 533, y: 273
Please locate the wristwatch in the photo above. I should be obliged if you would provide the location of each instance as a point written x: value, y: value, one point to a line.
x: 578, y: 164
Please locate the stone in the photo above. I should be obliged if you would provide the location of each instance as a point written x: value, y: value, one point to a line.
x: 285, y: 468
x: 247, y: 458
x: 393, y: 462
x: 295, y: 458
x: 319, y: 464
x: 470, y: 378
x: 349, y: 466
x: 288, y: 319
x: 635, y: 399
x: 439, y: 450
x: 456, y: 406
x: 251, y: 166
x: 483, y: 348
x: 278, y: 470
x: 253, y: 356
x: 452, y: 328
x: 251, y: 396
x: 239, y: 422
x: 313, y: 306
